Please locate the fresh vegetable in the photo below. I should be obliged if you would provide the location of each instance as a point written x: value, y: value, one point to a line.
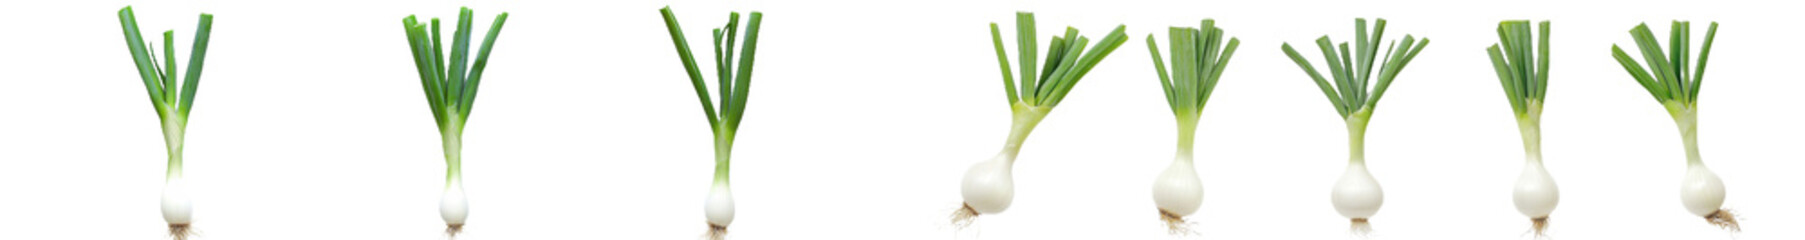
x: 1701, y: 191
x: 988, y: 187
x: 1357, y: 195
x: 1523, y: 70
x: 450, y: 92
x: 1198, y: 60
x: 724, y: 121
x: 173, y: 102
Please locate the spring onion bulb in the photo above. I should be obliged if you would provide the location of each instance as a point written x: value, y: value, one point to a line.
x: 173, y: 102
x: 1357, y: 195
x: 724, y: 121
x: 1198, y: 60
x: 988, y: 187
x: 1701, y: 191
x: 1523, y: 70
x: 450, y: 92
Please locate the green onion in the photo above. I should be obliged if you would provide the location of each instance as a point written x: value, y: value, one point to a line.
x: 1357, y: 195
x: 724, y: 121
x: 450, y: 92
x: 1668, y: 80
x: 1523, y: 71
x: 988, y: 187
x: 1198, y: 60
x: 173, y: 102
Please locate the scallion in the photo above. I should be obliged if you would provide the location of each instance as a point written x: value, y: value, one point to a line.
x: 1357, y: 195
x: 1670, y: 82
x: 724, y: 120
x: 988, y: 187
x: 450, y: 92
x: 1199, y: 57
x: 1522, y: 68
x: 173, y: 102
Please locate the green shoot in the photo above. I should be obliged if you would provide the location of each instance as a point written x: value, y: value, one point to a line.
x: 734, y: 83
x: 1198, y: 60
x: 1349, y: 93
x: 1040, y: 91
x: 172, y: 101
x: 1668, y: 78
x: 1523, y: 72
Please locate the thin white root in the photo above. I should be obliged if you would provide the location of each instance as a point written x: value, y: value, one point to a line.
x: 716, y: 232
x: 1724, y: 219
x: 964, y: 217
x: 1176, y: 225
x: 180, y: 231
x: 1539, y: 227
x: 453, y: 229
x: 1360, y: 228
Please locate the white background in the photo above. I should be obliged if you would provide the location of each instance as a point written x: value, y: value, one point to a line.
x: 862, y: 119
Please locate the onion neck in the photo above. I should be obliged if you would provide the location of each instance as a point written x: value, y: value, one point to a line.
x: 174, y: 129
x: 1356, y: 136
x: 1025, y: 118
x: 1187, y: 135
x: 1530, y: 124
x: 723, y: 154
x: 453, y: 139
x: 1686, y: 117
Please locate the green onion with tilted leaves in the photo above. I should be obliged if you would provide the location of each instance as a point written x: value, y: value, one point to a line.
x: 988, y: 187
x: 1670, y: 82
x: 1357, y: 195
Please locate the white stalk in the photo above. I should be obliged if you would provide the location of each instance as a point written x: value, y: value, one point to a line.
x: 1178, y: 191
x: 988, y: 187
x: 1357, y: 194
x: 1535, y: 194
x: 453, y: 207
x: 719, y: 205
x: 1701, y: 191
x: 176, y: 206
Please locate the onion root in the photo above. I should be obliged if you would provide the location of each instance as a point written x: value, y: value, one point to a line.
x: 716, y: 232
x: 180, y: 231
x: 964, y: 217
x: 1724, y: 219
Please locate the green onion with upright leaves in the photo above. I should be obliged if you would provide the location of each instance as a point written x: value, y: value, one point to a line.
x: 1522, y: 67
x: 1670, y: 81
x: 450, y: 88
x: 1357, y: 195
x: 724, y: 120
x: 173, y: 102
x: 988, y: 187
x: 1199, y: 57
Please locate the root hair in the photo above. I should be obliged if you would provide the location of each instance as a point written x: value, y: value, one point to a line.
x: 964, y: 216
x: 1539, y: 227
x: 1175, y: 224
x: 180, y: 231
x: 1724, y: 219
x: 716, y: 232
x: 453, y: 229
x: 1360, y: 227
